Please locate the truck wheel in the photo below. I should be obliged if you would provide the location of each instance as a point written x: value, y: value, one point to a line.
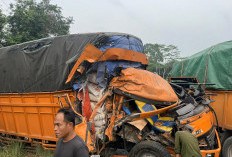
x: 149, y: 149
x: 227, y: 147
x: 224, y: 136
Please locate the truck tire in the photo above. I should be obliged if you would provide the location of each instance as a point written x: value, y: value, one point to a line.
x: 224, y: 136
x: 227, y: 148
x: 149, y: 148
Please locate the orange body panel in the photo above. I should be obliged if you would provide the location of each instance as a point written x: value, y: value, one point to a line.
x: 90, y: 54
x: 31, y: 116
x: 223, y: 107
x: 215, y: 151
x: 124, y: 54
x: 28, y: 115
x: 202, y: 122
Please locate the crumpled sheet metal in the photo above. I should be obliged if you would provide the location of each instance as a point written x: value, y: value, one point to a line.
x: 93, y: 54
x: 139, y: 124
x: 131, y: 134
x: 144, y: 84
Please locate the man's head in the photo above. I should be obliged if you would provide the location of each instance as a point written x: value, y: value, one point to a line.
x: 64, y: 122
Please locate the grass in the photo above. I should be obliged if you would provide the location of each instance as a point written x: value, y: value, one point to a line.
x: 17, y: 149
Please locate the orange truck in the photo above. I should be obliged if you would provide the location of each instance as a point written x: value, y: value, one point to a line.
x: 223, y: 109
x: 211, y: 67
x: 121, y: 108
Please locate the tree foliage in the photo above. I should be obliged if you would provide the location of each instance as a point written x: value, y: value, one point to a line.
x: 2, y: 26
x: 161, y: 58
x: 30, y: 20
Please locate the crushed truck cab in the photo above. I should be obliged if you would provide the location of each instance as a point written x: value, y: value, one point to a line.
x: 121, y: 108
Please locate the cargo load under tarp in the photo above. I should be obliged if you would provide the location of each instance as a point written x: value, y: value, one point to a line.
x: 144, y: 86
x: 212, y: 65
x: 43, y: 65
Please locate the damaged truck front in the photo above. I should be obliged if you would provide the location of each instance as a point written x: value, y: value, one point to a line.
x: 121, y: 108
x: 212, y: 67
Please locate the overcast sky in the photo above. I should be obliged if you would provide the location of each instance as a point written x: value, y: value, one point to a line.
x: 191, y: 25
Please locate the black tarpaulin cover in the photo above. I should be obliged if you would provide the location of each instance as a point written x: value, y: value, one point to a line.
x: 43, y: 65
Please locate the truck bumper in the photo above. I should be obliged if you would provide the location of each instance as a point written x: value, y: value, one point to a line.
x: 214, y: 152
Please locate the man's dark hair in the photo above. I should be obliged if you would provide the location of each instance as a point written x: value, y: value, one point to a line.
x: 69, y: 115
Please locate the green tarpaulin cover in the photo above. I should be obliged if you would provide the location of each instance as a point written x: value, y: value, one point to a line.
x: 212, y: 65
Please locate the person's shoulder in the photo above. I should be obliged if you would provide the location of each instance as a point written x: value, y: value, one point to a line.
x: 78, y: 141
x: 182, y: 133
x: 185, y: 134
x: 79, y: 144
x: 178, y: 132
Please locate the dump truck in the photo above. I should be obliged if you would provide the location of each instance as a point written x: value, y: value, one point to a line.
x: 121, y: 108
x: 212, y: 66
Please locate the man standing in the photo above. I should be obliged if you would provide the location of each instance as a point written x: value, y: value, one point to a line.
x: 186, y: 144
x: 69, y: 143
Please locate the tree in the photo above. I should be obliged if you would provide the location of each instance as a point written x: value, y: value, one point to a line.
x: 161, y: 58
x: 29, y: 20
x: 2, y: 26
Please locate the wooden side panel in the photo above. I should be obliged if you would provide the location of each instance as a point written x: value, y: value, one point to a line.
x: 34, y: 124
x: 228, y: 113
x: 218, y: 106
x: 10, y: 122
x: 2, y: 122
x: 223, y: 108
x: 31, y: 114
x: 21, y: 124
